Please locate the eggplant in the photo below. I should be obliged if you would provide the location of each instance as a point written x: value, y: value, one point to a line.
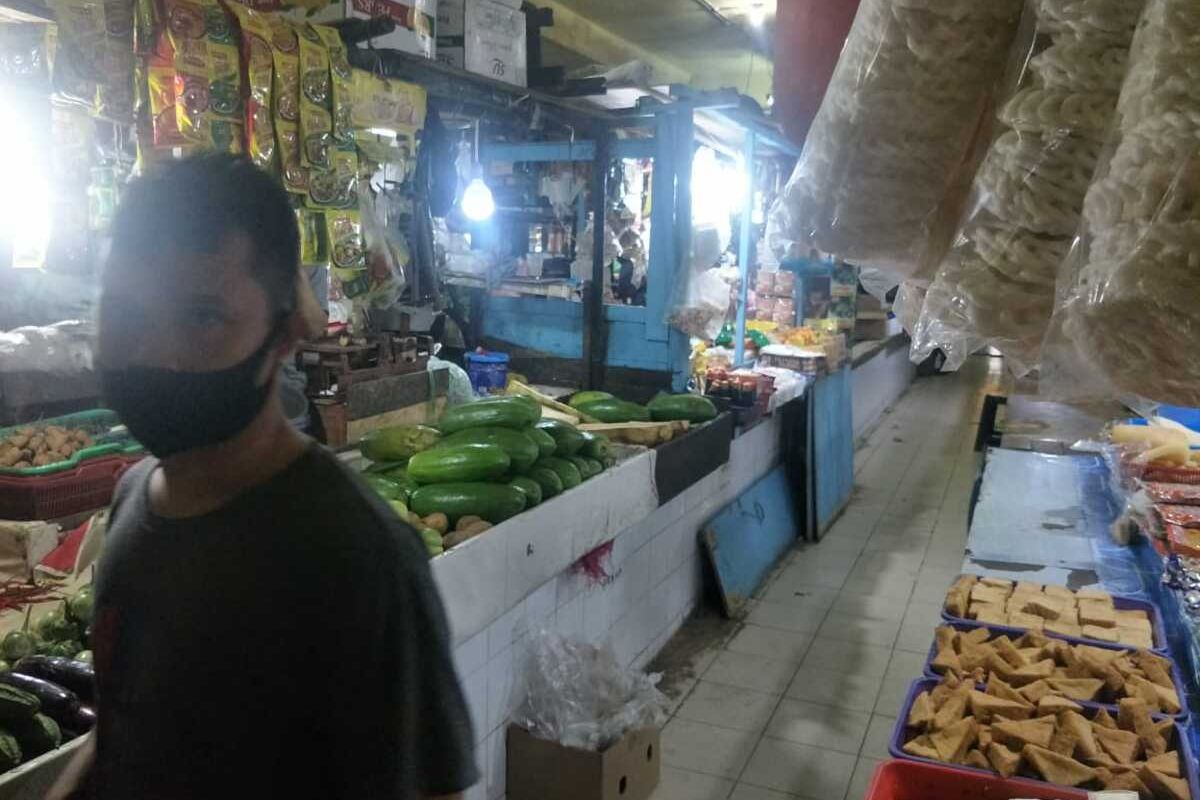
x: 77, y: 676
x: 61, y: 705
x: 85, y: 719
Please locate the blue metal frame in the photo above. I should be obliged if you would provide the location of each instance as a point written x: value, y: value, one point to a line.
x: 739, y: 343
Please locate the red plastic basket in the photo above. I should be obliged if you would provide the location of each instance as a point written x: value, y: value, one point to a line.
x: 912, y: 780
x: 87, y: 487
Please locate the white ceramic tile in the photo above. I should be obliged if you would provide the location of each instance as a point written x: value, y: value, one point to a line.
x: 818, y: 725
x: 884, y: 604
x: 728, y: 706
x: 864, y: 769
x: 597, y: 619
x: 800, y: 595
x: 680, y: 784
x: 770, y: 642
x: 924, y: 613
x: 835, y: 688
x: 505, y: 629
x: 541, y: 604
x: 475, y: 575
x: 501, y: 689
x: 851, y: 658
x: 706, y: 748
x: 879, y: 733
x: 858, y: 629
x: 569, y: 619
x: 471, y: 655
x: 663, y: 549
x: 537, y: 551
x: 808, y: 771
x: 786, y: 616
x: 750, y: 672
x: 496, y: 761
x: 744, y: 791
x: 475, y: 693
x: 915, y: 637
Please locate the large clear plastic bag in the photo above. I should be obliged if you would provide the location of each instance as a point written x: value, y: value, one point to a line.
x: 1127, y: 320
x: 893, y: 145
x: 577, y: 694
x: 996, y: 285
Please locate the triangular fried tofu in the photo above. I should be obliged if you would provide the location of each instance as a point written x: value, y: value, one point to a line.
x: 1051, y: 704
x: 1077, y: 688
x: 997, y: 583
x: 1100, y: 654
x: 984, y: 736
x: 1032, y: 639
x: 946, y: 660
x: 953, y: 742
x: 1031, y: 672
x: 1167, y: 763
x: 1019, y: 733
x: 954, y: 709
x: 1045, y: 607
x: 1137, y: 686
x: 1099, y: 634
x: 974, y: 636
x: 1009, y: 652
x: 1124, y: 780
x: 1104, y: 720
x: 1034, y: 691
x: 1085, y: 740
x: 1134, y: 715
x: 997, y: 687
x: 1123, y: 746
x: 1157, y: 669
x: 976, y: 759
x: 921, y: 747
x: 943, y: 637
x: 921, y: 712
x: 1166, y: 729
x: 1163, y: 786
x: 1064, y: 741
x: 1057, y: 768
x: 985, y: 707
x: 1003, y: 760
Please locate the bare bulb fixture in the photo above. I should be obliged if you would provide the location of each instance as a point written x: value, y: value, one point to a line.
x: 758, y: 15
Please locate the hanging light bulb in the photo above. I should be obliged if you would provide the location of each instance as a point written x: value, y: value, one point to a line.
x: 758, y: 15
x: 477, y: 202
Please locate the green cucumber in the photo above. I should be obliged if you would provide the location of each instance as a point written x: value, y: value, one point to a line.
x: 595, y: 446
x: 615, y: 411
x: 544, y: 441
x: 587, y: 397
x: 547, y: 479
x: 494, y: 502
x: 387, y: 488
x: 567, y: 472
x: 567, y: 438
x: 499, y: 412
x: 519, y: 446
x: 400, y: 476
x: 397, y: 442
x: 596, y: 465
x: 531, y: 488
x: 460, y: 463
x: 690, y: 407
x: 585, y: 469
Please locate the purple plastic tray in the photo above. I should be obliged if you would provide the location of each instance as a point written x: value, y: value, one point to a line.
x: 1120, y: 602
x: 1001, y: 630
x: 896, y: 745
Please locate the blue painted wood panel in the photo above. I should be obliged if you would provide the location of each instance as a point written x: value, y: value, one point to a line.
x: 747, y: 537
x: 833, y: 444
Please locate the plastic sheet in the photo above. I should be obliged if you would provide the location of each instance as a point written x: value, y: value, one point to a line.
x: 577, y: 694
x: 996, y: 286
x: 892, y: 146
x: 1126, y: 318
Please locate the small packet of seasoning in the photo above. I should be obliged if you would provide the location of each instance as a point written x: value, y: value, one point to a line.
x: 189, y: 44
x: 295, y: 176
x: 285, y: 94
x: 223, y: 67
x: 160, y: 78
x: 386, y: 103
x: 341, y: 83
x: 260, y: 71
x: 312, y: 236
x: 346, y: 255
x: 316, y: 122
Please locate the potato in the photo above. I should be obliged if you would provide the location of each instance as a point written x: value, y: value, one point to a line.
x: 466, y: 522
x: 19, y: 440
x: 37, y: 443
x: 438, y: 521
x: 476, y: 528
x: 454, y: 539
x: 83, y: 439
x: 43, y: 459
x: 22, y: 465
x: 9, y: 456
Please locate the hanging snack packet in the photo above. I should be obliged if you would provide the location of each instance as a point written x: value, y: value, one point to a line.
x: 224, y: 77
x: 286, y: 96
x: 385, y: 103
x: 335, y: 186
x: 260, y: 70
x: 342, y: 84
x: 189, y: 51
x: 316, y: 123
x: 347, y: 258
x: 312, y: 236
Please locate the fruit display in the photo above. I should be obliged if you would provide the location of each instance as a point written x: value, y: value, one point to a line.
x: 1053, y: 739
x: 397, y: 442
x: 1085, y: 613
x: 615, y: 410
x: 690, y: 407
x: 41, y: 446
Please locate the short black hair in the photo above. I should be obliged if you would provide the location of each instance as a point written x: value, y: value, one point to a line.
x: 193, y: 203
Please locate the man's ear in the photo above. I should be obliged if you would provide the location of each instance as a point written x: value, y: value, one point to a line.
x: 308, y: 311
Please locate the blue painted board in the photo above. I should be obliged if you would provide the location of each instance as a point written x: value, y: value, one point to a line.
x: 747, y: 537
x: 833, y: 444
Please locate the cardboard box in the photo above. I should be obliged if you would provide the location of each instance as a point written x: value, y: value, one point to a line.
x: 542, y: 770
x: 415, y: 21
x: 486, y: 37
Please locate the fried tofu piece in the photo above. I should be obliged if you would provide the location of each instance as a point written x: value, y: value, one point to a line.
x: 1051, y: 704
x: 1102, y: 655
x: 953, y: 742
x: 1134, y: 715
x: 1006, y: 650
x: 1063, y: 741
x: 1133, y: 618
x: 977, y: 759
x: 921, y: 747
x: 981, y: 593
x: 973, y: 637
x: 1134, y: 637
x: 1023, y: 620
x: 946, y: 660
x: 1063, y: 628
x: 1164, y: 787
x: 997, y: 687
x: 1057, y: 768
x: 1099, y: 634
x: 920, y: 714
x: 958, y: 600
x: 950, y: 712
x: 1122, y: 746
x: 986, y: 707
x: 1025, y: 587
x: 944, y: 637
x: 997, y: 583
x: 1043, y: 606
x: 1095, y: 612
x: 1035, y: 691
x: 1069, y: 616
x: 1076, y: 688
x: 1055, y: 590
x: 1003, y: 760
x: 1085, y: 739
x: 985, y: 612
x: 1018, y: 733
x: 1156, y: 668
x: 1098, y: 595
x: 1166, y: 763
x: 1160, y: 697
x: 1123, y: 780
x: 1104, y: 720
x: 1032, y: 672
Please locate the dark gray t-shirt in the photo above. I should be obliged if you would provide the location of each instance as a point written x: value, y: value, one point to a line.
x: 291, y: 644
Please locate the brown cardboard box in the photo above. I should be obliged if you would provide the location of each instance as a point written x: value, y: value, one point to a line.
x: 544, y: 770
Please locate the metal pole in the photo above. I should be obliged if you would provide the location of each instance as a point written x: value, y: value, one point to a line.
x: 744, y: 251
x: 595, y: 339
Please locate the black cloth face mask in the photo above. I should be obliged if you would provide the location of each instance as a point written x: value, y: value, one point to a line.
x: 172, y: 411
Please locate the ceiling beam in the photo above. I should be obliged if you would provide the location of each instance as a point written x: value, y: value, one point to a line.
x: 577, y: 33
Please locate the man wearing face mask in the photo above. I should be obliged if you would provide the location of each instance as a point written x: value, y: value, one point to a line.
x: 265, y: 626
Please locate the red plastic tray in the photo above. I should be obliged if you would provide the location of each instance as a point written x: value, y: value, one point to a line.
x: 913, y: 780
x: 87, y: 487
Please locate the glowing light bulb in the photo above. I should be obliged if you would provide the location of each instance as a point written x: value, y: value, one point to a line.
x: 477, y: 203
x: 758, y: 15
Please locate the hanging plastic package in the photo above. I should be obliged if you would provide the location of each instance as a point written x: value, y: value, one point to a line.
x: 260, y: 73
x: 1126, y: 320
x: 892, y: 149
x: 341, y: 85
x: 285, y: 92
x: 348, y: 260
x: 316, y: 122
x: 996, y: 286
x: 207, y: 78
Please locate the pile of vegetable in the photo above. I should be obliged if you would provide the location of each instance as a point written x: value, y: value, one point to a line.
x: 663, y: 408
x: 485, y: 462
x: 47, y: 683
x: 31, y: 446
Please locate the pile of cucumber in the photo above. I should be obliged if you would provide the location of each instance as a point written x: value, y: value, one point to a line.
x: 493, y: 459
x: 664, y: 407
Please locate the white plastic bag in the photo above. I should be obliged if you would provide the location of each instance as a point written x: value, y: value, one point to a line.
x: 704, y: 305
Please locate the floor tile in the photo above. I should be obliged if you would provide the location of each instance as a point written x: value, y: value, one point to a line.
x: 879, y: 734
x: 858, y: 629
x: 786, y: 616
x: 902, y: 671
x: 820, y: 726
x: 756, y: 640
x: 678, y: 784
x: 751, y: 672
x: 801, y: 596
x: 915, y: 637
x: 728, y: 706
x: 922, y: 612
x: 887, y: 604
x: 807, y: 771
x: 744, y: 791
x: 864, y: 770
x: 704, y: 748
x: 851, y: 658
x: 835, y: 688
